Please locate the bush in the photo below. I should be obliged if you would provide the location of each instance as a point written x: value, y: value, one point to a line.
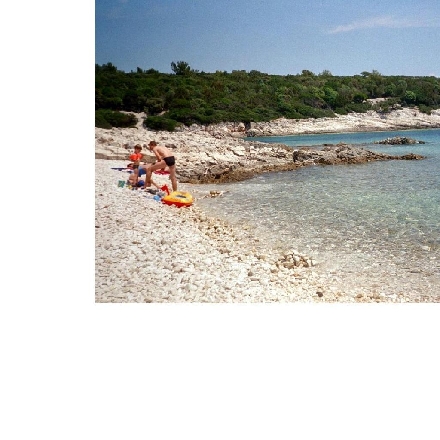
x: 154, y: 106
x: 184, y: 115
x: 341, y: 111
x: 110, y: 118
x: 358, y: 107
x: 100, y: 121
x: 160, y: 123
x: 306, y: 111
x: 410, y: 97
x: 425, y: 109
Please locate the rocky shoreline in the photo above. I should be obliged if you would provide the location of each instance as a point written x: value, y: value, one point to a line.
x: 397, y: 119
x: 219, y: 153
x: 149, y: 252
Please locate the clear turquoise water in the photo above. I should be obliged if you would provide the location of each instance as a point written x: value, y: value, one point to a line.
x: 374, y: 225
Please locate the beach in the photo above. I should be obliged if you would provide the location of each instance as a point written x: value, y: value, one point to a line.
x: 146, y: 251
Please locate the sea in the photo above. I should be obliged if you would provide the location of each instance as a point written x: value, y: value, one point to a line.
x: 372, y: 227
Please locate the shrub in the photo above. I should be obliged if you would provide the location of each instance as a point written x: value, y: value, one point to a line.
x: 110, y: 118
x: 184, y: 115
x: 160, y: 123
x: 153, y: 106
x: 100, y: 121
x: 410, y: 97
x: 425, y: 109
x: 362, y: 107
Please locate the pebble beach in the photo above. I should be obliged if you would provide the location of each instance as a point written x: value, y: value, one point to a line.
x: 147, y: 251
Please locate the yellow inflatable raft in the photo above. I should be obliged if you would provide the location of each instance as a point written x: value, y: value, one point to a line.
x: 178, y: 198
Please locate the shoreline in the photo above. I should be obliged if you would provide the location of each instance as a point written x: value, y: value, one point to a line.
x: 219, y: 153
x: 149, y: 252
x: 395, y: 120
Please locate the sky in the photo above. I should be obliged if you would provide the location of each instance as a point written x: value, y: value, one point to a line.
x: 279, y: 37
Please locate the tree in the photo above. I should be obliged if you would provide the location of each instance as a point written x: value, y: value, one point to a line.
x: 325, y: 73
x: 359, y: 97
x: 109, y: 67
x: 330, y: 96
x: 307, y: 73
x: 189, y: 96
x: 410, y: 97
x: 181, y: 68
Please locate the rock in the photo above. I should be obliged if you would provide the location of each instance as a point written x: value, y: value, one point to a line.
x: 411, y: 156
x: 204, y: 157
x: 399, y: 140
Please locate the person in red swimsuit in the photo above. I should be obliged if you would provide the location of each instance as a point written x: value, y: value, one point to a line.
x: 164, y: 158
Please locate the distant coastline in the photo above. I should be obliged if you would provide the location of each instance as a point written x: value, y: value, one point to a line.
x: 399, y: 119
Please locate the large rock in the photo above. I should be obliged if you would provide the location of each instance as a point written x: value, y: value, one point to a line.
x: 399, y: 140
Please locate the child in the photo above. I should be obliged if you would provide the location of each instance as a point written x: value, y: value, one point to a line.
x: 136, y: 158
x: 134, y: 182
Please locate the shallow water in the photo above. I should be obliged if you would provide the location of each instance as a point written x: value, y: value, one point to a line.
x: 372, y: 226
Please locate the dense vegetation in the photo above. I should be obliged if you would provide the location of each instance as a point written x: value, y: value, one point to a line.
x: 188, y: 96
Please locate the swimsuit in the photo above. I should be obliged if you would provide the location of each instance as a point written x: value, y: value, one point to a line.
x: 170, y: 161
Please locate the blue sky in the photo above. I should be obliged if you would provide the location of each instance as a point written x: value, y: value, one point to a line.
x: 394, y: 37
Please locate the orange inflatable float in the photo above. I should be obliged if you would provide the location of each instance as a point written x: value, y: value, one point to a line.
x: 178, y: 198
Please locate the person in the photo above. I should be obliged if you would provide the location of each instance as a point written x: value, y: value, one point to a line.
x: 164, y: 158
x: 134, y: 180
x: 136, y: 158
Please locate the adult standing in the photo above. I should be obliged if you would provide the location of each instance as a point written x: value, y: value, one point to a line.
x: 165, y: 158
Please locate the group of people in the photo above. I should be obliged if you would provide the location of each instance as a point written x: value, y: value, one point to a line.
x: 164, y: 158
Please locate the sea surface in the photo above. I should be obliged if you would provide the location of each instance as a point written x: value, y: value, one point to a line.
x: 371, y: 227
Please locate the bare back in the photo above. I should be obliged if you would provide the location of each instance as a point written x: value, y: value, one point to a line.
x: 161, y: 152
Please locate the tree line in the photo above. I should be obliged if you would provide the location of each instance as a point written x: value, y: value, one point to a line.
x: 188, y: 96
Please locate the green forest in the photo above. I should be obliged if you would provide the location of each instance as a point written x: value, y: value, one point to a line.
x: 188, y: 96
